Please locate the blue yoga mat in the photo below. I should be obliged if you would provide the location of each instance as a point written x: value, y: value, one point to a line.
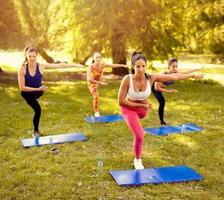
x: 172, y: 174
x: 166, y: 130
x: 53, y: 139
x: 104, y: 119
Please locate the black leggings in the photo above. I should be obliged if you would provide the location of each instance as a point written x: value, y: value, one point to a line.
x: 160, y: 98
x: 31, y: 100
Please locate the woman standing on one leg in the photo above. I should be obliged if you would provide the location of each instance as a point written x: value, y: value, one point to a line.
x: 94, y: 76
x: 133, y: 93
x: 159, y: 87
x: 30, y: 82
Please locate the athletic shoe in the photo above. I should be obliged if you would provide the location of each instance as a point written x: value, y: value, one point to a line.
x: 36, y: 134
x: 138, y: 164
x: 163, y: 123
x: 97, y: 114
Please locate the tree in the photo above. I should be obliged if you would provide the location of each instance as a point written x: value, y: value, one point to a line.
x: 205, y: 24
x: 35, y: 23
x: 10, y: 30
x: 108, y: 25
x: 153, y: 27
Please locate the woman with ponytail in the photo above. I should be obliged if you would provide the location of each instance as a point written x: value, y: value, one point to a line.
x: 30, y: 82
x: 134, y: 90
x: 94, y: 76
x: 159, y: 87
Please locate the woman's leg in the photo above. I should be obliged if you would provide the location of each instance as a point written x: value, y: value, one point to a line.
x: 160, y: 98
x: 95, y: 94
x: 33, y: 103
x: 131, y: 117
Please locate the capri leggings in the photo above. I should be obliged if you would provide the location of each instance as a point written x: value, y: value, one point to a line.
x: 132, y: 116
x: 94, y: 91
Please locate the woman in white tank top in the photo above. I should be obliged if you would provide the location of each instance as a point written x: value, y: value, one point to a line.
x: 133, y: 93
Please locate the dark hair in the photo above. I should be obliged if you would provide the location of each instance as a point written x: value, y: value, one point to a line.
x: 29, y: 49
x: 137, y: 56
x: 171, y: 61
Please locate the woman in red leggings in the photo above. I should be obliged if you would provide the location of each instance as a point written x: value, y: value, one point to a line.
x: 134, y: 90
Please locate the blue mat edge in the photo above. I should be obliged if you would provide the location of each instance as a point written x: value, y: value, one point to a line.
x: 166, y: 134
x: 27, y: 146
x: 89, y: 118
x: 141, y: 184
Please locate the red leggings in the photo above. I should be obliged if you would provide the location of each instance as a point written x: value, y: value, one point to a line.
x: 132, y: 116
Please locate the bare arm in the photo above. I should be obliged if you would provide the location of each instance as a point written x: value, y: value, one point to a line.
x: 173, y: 77
x: 92, y: 80
x: 115, y: 65
x: 161, y: 88
x: 21, y: 82
x: 59, y: 65
x: 122, y: 94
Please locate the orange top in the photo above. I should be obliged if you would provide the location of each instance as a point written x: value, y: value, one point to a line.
x: 97, y: 71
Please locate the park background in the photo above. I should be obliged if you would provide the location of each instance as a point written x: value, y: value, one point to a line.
x: 70, y: 31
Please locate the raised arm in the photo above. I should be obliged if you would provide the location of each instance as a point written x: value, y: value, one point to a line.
x: 173, y: 77
x: 21, y: 82
x: 115, y: 65
x: 59, y: 65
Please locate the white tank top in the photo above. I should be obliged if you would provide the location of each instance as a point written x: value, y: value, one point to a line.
x: 138, y: 95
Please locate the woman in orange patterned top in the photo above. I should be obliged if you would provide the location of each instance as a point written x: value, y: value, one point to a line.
x: 94, y: 75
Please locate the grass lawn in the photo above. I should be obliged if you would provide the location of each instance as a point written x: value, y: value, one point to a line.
x: 36, y: 173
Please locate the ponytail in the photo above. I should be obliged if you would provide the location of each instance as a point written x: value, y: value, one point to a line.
x: 25, y: 59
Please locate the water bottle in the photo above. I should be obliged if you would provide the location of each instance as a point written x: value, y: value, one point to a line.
x: 100, y: 167
x: 93, y: 119
x: 36, y: 141
x: 51, y: 141
x: 183, y: 128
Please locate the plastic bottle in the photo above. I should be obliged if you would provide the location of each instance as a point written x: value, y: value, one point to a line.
x: 99, y: 167
x: 51, y: 141
x: 183, y: 128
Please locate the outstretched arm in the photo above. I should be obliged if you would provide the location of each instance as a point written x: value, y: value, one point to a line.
x: 59, y: 65
x: 173, y: 77
x: 115, y: 65
x: 21, y: 82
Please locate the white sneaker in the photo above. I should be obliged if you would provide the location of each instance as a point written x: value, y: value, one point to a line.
x: 138, y: 164
x: 97, y: 114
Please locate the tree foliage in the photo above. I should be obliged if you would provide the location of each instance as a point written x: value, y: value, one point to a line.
x: 205, y: 21
x: 10, y: 30
x: 35, y: 21
x: 158, y: 28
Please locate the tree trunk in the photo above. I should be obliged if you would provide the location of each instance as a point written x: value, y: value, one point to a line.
x: 118, y: 52
x: 44, y: 54
x: 1, y: 70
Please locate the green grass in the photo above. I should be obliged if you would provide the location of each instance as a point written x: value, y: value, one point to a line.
x: 35, y: 173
